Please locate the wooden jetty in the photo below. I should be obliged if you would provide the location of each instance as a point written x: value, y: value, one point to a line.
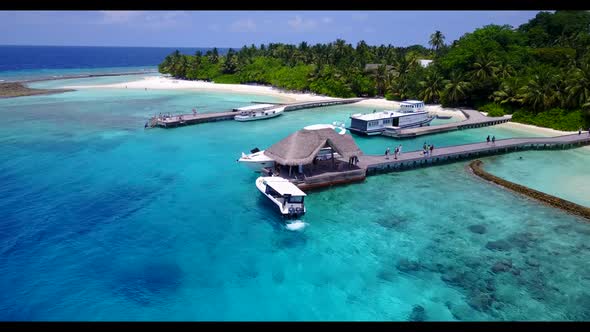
x: 474, y: 120
x: 320, y: 103
x: 300, y: 151
x: 190, y: 119
x: 408, y: 160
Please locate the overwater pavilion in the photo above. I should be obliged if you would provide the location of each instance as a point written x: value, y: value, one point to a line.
x: 316, y: 158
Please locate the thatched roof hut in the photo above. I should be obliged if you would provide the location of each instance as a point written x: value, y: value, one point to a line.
x: 301, y: 147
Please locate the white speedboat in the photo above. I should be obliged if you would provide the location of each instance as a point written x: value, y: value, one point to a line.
x: 256, y: 160
x: 411, y: 114
x: 338, y: 126
x: 284, y: 194
x: 259, y: 114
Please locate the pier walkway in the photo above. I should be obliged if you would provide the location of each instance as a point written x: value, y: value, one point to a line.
x: 408, y: 160
x: 190, y: 119
x: 474, y: 120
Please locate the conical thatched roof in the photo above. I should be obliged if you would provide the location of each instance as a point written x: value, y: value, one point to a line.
x: 301, y: 147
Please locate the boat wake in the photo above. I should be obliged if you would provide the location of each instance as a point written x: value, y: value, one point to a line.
x: 296, y: 225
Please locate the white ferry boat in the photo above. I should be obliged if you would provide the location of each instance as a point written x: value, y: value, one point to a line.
x: 284, y: 194
x: 259, y: 114
x: 411, y: 114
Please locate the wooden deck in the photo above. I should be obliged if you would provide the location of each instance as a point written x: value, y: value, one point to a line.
x: 320, y: 103
x: 323, y: 174
x: 474, y: 120
x: 408, y: 160
x: 190, y: 119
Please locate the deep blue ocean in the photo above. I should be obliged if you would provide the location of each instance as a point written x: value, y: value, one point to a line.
x: 29, y: 62
x: 103, y: 220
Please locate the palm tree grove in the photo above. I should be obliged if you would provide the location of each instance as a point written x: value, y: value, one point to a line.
x: 539, y: 72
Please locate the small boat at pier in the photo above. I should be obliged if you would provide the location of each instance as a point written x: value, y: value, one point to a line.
x: 256, y: 160
x: 259, y: 114
x: 284, y: 194
x: 338, y: 126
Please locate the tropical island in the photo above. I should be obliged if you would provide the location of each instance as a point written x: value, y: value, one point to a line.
x: 538, y: 72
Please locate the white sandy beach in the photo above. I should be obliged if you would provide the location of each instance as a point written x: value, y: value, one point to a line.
x: 166, y: 83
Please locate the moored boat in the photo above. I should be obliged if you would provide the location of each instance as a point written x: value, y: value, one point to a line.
x: 256, y: 160
x: 259, y: 114
x: 284, y: 194
x: 337, y: 126
x: 411, y: 114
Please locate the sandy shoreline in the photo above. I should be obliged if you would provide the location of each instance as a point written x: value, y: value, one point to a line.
x: 166, y: 83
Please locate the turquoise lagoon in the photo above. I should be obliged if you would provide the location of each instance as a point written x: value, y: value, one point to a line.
x: 103, y: 220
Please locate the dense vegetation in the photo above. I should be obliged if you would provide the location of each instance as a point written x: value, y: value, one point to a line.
x: 539, y: 71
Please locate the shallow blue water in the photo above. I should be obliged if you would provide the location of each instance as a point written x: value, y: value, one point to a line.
x: 103, y: 220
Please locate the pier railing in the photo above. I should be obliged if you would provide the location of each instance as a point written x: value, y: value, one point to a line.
x: 413, y: 159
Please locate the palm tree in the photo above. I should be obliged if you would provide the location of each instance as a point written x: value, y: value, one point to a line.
x: 484, y: 68
x: 578, y: 86
x: 437, y: 40
x: 213, y: 55
x: 456, y: 88
x: 504, y: 71
x: 507, y: 94
x: 380, y: 79
x: 539, y: 92
x: 432, y: 87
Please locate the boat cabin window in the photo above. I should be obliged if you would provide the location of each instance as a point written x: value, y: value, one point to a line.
x: 272, y: 192
x: 295, y: 199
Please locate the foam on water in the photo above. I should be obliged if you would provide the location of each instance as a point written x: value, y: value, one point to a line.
x: 296, y: 225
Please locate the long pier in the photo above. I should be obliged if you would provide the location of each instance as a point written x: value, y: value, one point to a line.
x: 320, y: 103
x: 474, y: 120
x: 190, y: 119
x: 375, y: 164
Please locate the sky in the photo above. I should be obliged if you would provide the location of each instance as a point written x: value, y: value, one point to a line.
x: 238, y: 28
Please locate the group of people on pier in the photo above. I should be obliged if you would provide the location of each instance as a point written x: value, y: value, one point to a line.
x: 493, y: 139
x: 396, y: 152
x: 427, y: 149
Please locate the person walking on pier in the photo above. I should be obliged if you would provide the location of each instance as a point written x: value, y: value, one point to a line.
x: 488, y: 139
x: 395, y: 152
x: 431, y: 149
x: 387, y: 153
x: 580, y: 131
x: 493, y: 139
x: 399, y: 148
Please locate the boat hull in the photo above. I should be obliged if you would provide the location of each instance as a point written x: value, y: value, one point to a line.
x: 266, y: 115
x: 257, y: 166
x: 283, y: 211
x: 375, y: 132
x: 256, y: 161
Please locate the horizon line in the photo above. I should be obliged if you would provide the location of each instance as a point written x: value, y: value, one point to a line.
x: 221, y: 47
